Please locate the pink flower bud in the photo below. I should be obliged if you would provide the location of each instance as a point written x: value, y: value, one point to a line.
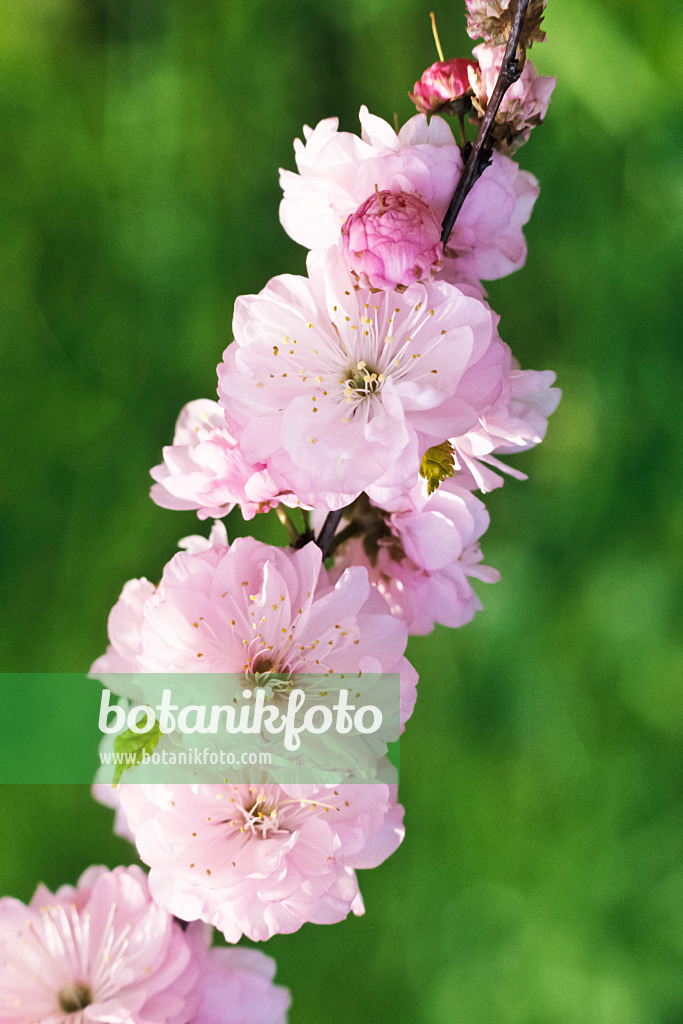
x: 393, y: 238
x: 441, y: 84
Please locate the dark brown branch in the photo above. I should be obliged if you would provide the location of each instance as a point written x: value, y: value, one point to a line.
x: 324, y: 538
x: 478, y: 158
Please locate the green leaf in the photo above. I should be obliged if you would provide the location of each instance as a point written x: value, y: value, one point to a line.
x: 136, y: 744
x: 437, y: 465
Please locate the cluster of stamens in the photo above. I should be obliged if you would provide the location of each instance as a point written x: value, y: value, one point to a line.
x: 361, y: 382
x: 261, y: 817
x: 270, y: 676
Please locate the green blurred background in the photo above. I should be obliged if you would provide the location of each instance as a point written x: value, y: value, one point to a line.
x: 541, y: 879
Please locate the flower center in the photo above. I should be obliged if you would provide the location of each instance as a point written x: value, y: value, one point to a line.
x: 362, y: 382
x: 265, y: 815
x: 261, y: 818
x: 74, y: 997
x: 266, y: 673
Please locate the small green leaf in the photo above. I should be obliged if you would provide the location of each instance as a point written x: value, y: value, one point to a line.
x: 437, y: 465
x: 135, y: 745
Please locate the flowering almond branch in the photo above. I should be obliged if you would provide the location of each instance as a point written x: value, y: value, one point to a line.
x: 480, y: 154
x: 375, y: 389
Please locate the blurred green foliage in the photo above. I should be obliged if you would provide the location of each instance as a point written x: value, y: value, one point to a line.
x: 541, y: 880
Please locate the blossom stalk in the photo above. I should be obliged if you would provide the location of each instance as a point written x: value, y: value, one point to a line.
x: 478, y: 157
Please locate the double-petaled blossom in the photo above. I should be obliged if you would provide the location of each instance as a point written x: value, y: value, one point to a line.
x: 338, y: 389
x: 259, y: 860
x: 105, y: 952
x: 421, y: 553
x: 266, y: 615
x: 441, y: 84
x: 204, y: 469
x: 524, y: 105
x: 338, y: 172
x: 392, y: 239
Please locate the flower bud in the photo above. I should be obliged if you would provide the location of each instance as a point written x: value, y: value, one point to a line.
x: 392, y: 239
x: 442, y: 84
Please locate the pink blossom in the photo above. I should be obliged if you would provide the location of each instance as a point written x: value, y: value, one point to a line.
x: 237, y: 988
x: 263, y: 613
x: 204, y: 469
x: 441, y: 84
x: 516, y: 422
x: 337, y: 171
x: 420, y: 554
x: 337, y: 389
x: 524, y: 104
x: 259, y: 860
x: 104, y: 952
x: 98, y: 953
x: 393, y: 238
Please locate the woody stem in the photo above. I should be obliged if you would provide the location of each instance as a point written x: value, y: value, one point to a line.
x: 324, y: 538
x: 480, y: 153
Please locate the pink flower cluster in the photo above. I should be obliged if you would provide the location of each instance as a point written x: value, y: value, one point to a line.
x: 104, y: 951
x: 461, y: 85
x: 373, y: 394
x: 337, y: 389
x: 366, y: 401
